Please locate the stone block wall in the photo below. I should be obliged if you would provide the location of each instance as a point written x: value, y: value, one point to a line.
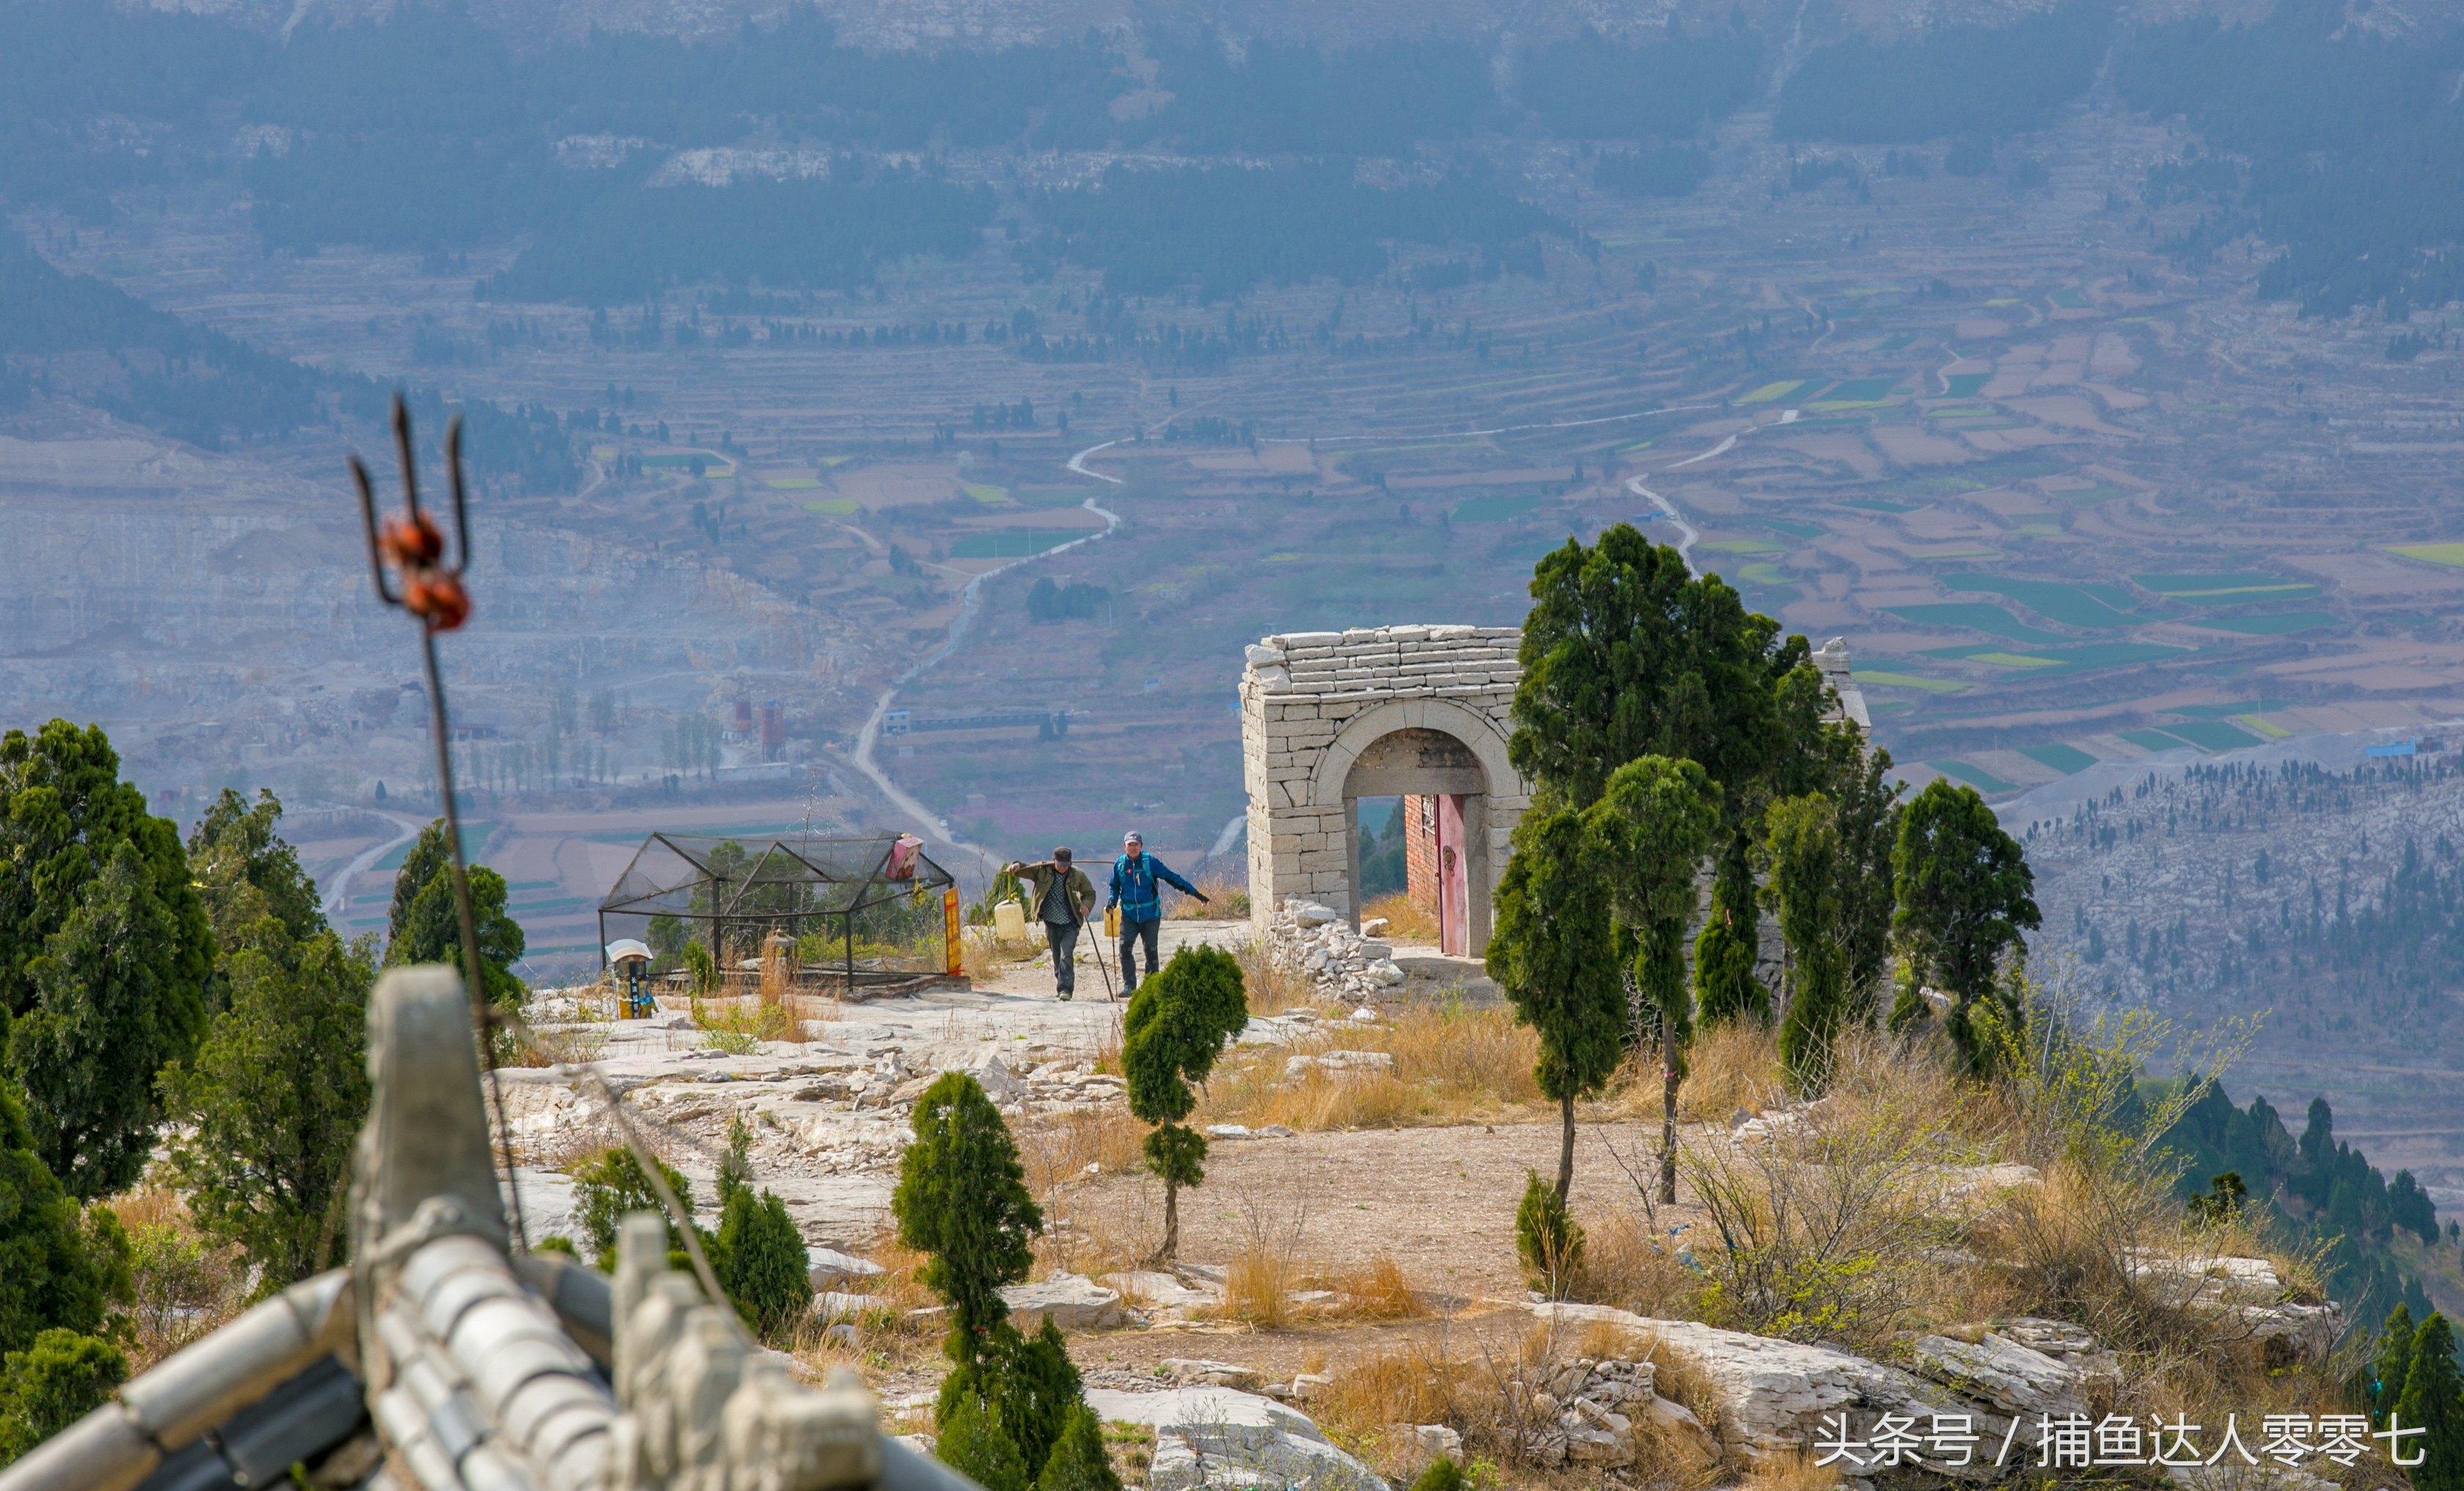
x: 1313, y: 702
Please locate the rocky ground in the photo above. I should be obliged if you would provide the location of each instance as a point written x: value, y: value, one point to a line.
x: 1346, y: 1303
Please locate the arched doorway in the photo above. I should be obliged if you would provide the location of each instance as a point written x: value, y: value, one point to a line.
x: 1444, y: 794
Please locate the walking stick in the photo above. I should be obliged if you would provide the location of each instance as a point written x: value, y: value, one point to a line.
x: 1110, y: 998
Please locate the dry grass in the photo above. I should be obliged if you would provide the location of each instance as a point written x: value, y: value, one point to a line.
x: 1418, y: 1383
x: 1058, y: 1150
x: 738, y: 1026
x: 985, y: 957
x: 1793, y: 1471
x: 1627, y: 1264
x: 1451, y: 1066
x: 182, y: 1286
x: 1405, y: 922
x: 1731, y: 1065
x: 1378, y: 1290
x: 1227, y: 900
x: 1270, y: 988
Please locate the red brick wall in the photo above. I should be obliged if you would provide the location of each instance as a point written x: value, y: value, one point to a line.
x: 1420, y: 851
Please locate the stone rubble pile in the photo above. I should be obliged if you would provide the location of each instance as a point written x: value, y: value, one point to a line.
x: 1585, y: 1411
x: 1316, y: 943
x: 1209, y: 1436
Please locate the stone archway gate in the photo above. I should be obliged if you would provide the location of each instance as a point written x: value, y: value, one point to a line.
x: 1331, y: 716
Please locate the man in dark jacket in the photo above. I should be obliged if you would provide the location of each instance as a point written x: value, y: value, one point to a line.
x: 1141, y: 906
x: 1060, y: 896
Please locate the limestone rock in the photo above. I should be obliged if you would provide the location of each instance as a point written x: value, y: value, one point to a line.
x: 998, y: 1081
x: 830, y: 1267
x: 1772, y: 1393
x: 2014, y: 1378
x: 1220, y: 1437
x: 1200, y: 1373
x: 1071, y: 1301
x: 1340, y: 1064
x: 1163, y: 1291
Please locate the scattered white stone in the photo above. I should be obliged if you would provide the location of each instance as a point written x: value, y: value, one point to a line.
x: 1219, y: 1437
x: 1071, y: 1301
x: 2014, y: 1378
x: 831, y: 1267
x: 1198, y: 1372
x: 1228, y: 1132
x: 1366, y: 1014
x: 1340, y: 1064
x: 1436, y: 1440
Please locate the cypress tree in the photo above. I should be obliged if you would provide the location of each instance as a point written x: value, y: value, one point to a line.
x: 1651, y: 826
x: 96, y: 1012
x: 1550, y: 952
x: 962, y: 1198
x: 1173, y: 1031
x: 2433, y: 1398
x: 1725, y: 954
x: 51, y: 1385
x: 974, y: 1443
x: 2393, y: 1361
x: 56, y: 1270
x: 1966, y: 895
x: 1078, y: 1462
x: 761, y: 1262
x: 1804, y: 847
x: 607, y: 1189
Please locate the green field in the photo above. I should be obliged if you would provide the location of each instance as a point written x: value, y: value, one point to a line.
x: 1742, y: 546
x: 2214, y: 734
x: 1890, y: 680
x: 791, y: 483
x: 2268, y: 625
x: 1791, y: 526
x: 2238, y: 584
x: 1762, y: 575
x: 2087, y: 496
x: 2011, y: 660
x: 1859, y: 390
x: 1976, y: 616
x: 2091, y: 607
x: 2448, y: 553
x: 831, y: 507
x: 2113, y: 654
x: 2230, y: 710
x: 1769, y: 392
x: 985, y: 495
x: 2153, y: 739
x: 1013, y: 543
x: 1878, y: 505
x: 2072, y: 298
x: 1966, y: 385
x: 1494, y: 510
x: 1894, y: 344
x: 1976, y: 776
x: 2066, y: 759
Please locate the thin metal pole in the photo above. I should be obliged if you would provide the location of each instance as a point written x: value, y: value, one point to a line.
x: 473, y: 972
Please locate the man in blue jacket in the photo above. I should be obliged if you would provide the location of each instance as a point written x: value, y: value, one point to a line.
x: 1141, y: 906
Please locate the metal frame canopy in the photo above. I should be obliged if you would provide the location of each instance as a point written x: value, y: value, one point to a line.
x: 727, y: 883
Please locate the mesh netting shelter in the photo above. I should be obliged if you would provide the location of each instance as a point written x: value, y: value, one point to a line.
x: 877, y: 907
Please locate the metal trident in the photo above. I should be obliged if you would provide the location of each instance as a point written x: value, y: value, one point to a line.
x: 431, y: 590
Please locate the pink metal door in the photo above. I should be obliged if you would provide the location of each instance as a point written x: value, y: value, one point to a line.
x: 1454, y: 898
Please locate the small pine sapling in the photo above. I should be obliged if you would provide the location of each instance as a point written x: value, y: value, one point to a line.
x: 1442, y: 1475
x: 1548, y: 1239
x: 1175, y: 1028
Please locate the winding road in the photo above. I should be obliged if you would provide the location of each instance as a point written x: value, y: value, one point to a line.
x: 337, y: 897
x: 971, y: 600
